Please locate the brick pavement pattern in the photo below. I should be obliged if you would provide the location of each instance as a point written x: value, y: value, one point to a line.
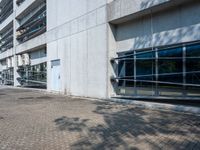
x: 33, y: 120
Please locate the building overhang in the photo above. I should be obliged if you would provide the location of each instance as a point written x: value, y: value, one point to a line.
x: 120, y: 11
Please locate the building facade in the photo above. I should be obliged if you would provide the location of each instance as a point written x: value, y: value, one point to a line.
x: 102, y: 48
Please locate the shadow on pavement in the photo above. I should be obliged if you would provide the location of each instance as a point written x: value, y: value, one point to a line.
x: 134, y: 128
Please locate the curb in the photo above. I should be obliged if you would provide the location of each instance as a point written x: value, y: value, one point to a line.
x: 160, y: 106
x: 140, y: 104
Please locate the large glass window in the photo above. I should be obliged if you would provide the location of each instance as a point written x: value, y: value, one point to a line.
x: 171, y: 71
x: 145, y: 64
x: 129, y: 67
x: 170, y: 65
x: 171, y: 53
x: 145, y: 72
x: 193, y: 64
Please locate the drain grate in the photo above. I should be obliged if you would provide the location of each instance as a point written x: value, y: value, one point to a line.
x: 24, y: 98
x: 44, y: 97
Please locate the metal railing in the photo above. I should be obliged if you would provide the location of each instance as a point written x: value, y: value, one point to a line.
x: 33, y: 75
x: 6, y: 9
x: 33, y: 26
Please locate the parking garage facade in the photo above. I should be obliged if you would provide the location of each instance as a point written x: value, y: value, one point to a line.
x: 102, y: 48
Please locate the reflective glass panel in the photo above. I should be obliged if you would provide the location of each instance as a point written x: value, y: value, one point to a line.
x: 145, y: 54
x: 170, y: 66
x: 145, y: 67
x: 176, y: 78
x: 145, y: 63
x: 193, y: 78
x: 193, y: 50
x: 174, y: 52
x: 121, y: 71
x: 193, y: 64
x: 129, y: 67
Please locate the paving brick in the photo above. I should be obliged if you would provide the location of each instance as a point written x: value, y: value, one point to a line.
x: 33, y: 120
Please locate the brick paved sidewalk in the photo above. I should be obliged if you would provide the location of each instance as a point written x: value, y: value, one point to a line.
x: 32, y: 120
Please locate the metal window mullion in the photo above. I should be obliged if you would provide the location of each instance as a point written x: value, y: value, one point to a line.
x: 124, y: 73
x: 156, y: 73
x: 184, y: 71
x: 135, y: 73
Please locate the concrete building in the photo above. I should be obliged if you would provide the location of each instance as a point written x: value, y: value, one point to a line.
x: 102, y: 48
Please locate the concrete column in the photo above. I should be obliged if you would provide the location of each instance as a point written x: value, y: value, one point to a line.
x: 112, y: 66
x: 16, y: 75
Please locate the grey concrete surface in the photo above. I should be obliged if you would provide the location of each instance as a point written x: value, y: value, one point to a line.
x: 35, y: 120
x: 160, y: 29
x: 82, y: 36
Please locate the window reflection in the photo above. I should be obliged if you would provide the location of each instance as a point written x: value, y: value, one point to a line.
x: 175, y: 78
x: 193, y: 50
x: 161, y: 70
x: 170, y: 66
x: 145, y: 63
x: 174, y: 52
x: 193, y: 64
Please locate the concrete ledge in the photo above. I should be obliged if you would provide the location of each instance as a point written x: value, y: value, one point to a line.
x: 160, y: 106
x: 120, y: 11
x: 32, y: 44
x: 22, y: 88
x: 7, y: 53
x: 6, y: 22
x: 25, y: 7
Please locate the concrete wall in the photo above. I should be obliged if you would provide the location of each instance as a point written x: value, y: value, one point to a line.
x: 123, y: 10
x: 6, y: 54
x: 86, y: 34
x: 6, y: 22
x: 175, y: 25
x: 31, y: 44
x: 78, y: 38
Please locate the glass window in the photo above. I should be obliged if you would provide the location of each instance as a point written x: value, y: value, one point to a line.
x: 145, y: 71
x: 193, y: 64
x: 145, y: 67
x: 193, y: 78
x: 145, y: 55
x: 129, y: 67
x: 145, y: 63
x: 170, y: 53
x: 170, y: 79
x: 193, y: 91
x: 193, y: 50
x: 121, y: 69
x: 170, y: 66
x: 175, y: 78
x: 121, y: 72
x: 126, y: 69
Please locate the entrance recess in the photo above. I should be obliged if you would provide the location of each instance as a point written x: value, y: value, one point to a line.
x: 55, y: 75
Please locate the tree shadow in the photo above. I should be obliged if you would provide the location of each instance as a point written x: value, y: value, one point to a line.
x: 133, y: 128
